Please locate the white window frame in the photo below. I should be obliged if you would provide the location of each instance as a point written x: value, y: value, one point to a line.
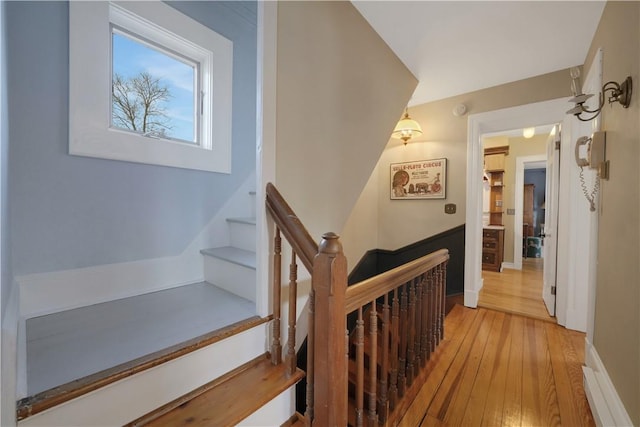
x: 90, y: 72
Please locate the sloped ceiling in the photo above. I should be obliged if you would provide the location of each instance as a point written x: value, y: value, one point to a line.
x: 455, y: 47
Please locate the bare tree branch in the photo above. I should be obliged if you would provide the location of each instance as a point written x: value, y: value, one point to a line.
x: 138, y: 104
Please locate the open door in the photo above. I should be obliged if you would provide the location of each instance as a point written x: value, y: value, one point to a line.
x: 550, y: 233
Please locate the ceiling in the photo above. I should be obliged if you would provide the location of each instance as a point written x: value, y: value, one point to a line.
x: 455, y: 47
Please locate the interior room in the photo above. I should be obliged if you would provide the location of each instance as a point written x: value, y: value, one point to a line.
x: 311, y: 235
x: 518, y: 286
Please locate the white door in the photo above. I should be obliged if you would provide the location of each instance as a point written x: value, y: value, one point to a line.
x: 550, y: 234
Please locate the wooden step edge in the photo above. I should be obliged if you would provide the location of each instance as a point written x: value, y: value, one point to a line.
x: 228, y: 399
x: 53, y: 397
x: 157, y: 413
x: 297, y: 420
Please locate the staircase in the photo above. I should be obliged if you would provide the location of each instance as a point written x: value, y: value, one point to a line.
x: 226, y: 377
x: 205, y: 365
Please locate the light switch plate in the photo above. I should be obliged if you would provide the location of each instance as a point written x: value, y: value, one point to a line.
x: 450, y: 208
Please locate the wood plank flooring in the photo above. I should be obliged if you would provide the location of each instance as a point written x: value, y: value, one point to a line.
x: 516, y: 291
x: 500, y: 369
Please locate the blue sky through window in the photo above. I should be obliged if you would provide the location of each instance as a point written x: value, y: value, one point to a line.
x: 130, y: 58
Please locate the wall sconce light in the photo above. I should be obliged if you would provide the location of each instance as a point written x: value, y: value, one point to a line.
x: 406, y: 128
x: 528, y: 132
x: 619, y: 93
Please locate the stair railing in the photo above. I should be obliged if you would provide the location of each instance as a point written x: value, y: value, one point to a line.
x: 403, y: 308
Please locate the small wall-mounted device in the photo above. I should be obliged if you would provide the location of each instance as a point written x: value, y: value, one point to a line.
x: 595, y: 149
x: 450, y: 208
x: 591, y: 152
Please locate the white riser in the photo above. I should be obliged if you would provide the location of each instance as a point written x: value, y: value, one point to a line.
x: 232, y: 277
x: 242, y: 235
x: 274, y: 413
x: 134, y: 396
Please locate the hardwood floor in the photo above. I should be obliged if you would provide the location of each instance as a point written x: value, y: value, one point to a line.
x: 516, y: 291
x: 500, y: 369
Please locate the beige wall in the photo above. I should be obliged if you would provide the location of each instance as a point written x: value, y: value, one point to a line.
x: 404, y: 222
x: 340, y: 91
x: 617, y: 314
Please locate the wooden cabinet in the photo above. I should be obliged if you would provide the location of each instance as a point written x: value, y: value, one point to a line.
x: 494, y: 159
x: 495, y: 198
x: 492, y: 249
x: 494, y: 162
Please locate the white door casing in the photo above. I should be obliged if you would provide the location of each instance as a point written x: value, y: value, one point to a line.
x: 571, y: 307
x: 550, y: 247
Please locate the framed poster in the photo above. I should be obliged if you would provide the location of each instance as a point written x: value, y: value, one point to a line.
x: 422, y: 179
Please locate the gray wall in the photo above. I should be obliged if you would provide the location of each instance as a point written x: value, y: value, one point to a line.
x: 5, y: 233
x: 70, y: 212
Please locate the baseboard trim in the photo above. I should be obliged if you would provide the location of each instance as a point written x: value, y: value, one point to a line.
x: 94, y: 285
x: 606, y: 406
x: 510, y: 266
x: 471, y: 296
x: 9, y: 339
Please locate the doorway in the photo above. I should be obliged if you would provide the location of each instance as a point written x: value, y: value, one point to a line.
x: 517, y: 286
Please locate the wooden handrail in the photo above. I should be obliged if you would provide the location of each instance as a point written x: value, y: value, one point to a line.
x: 291, y: 227
x: 363, y: 292
x: 402, y: 311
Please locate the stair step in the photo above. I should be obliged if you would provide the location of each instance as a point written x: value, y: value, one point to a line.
x: 127, y: 378
x: 249, y: 220
x: 297, y: 420
x: 227, y: 400
x: 242, y: 232
x: 232, y: 254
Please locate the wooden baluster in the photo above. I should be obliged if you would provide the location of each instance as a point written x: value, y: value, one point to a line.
x: 434, y: 309
x: 395, y: 343
x: 276, y: 346
x: 402, y: 359
x: 443, y: 298
x: 329, y: 282
x: 428, y: 298
x: 308, y: 415
x: 438, y: 295
x: 424, y: 338
x: 359, y: 369
x: 418, y: 337
x: 411, y: 354
x: 293, y: 296
x: 373, y: 364
x: 384, y: 371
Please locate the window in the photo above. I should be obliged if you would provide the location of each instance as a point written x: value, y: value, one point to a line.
x: 160, y: 93
x: 152, y: 91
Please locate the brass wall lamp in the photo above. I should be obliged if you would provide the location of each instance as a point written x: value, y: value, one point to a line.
x: 619, y: 92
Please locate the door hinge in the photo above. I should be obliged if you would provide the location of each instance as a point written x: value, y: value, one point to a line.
x: 553, y: 290
x: 557, y: 144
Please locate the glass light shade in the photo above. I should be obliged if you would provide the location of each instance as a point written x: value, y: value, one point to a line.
x: 528, y: 132
x: 406, y: 129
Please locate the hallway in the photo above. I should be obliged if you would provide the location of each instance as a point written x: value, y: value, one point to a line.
x: 496, y: 369
x: 516, y: 291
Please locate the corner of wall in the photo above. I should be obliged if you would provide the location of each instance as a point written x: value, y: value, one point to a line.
x: 606, y: 405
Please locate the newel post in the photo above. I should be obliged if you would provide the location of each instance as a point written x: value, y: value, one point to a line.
x: 329, y: 281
